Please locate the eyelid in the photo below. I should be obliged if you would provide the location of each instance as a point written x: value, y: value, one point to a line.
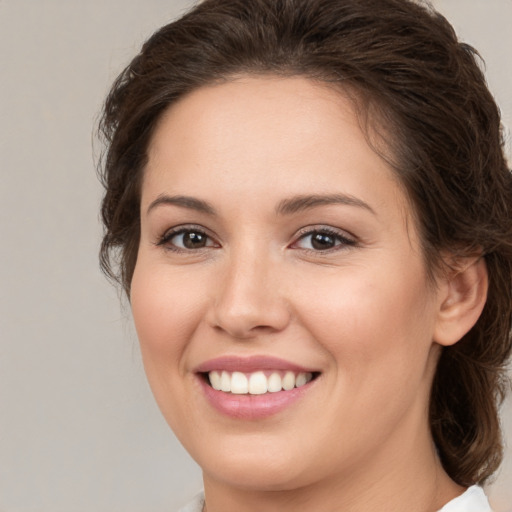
x: 346, y: 238
x: 164, y: 239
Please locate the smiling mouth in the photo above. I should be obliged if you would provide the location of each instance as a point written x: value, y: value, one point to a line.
x: 257, y: 383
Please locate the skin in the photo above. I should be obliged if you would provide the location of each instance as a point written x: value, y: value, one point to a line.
x: 362, y: 313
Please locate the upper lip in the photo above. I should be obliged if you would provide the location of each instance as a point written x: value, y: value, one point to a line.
x: 249, y: 364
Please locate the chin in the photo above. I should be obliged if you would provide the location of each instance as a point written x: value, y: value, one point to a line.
x: 258, y: 466
x: 265, y: 476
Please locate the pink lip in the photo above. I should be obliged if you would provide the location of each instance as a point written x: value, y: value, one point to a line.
x: 251, y: 407
x: 249, y: 364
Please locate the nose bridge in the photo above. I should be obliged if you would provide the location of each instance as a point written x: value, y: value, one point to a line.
x: 250, y: 296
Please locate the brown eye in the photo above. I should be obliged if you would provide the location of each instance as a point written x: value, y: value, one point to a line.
x: 323, y: 240
x: 194, y: 240
x: 186, y: 240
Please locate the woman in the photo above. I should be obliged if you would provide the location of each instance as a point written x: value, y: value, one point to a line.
x: 311, y: 215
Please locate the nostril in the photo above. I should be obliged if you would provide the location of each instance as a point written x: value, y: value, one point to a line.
x: 239, y: 331
x: 244, y: 307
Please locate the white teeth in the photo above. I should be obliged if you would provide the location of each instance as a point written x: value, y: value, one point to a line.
x: 301, y: 379
x: 215, y: 380
x: 239, y: 384
x: 274, y: 383
x: 257, y: 383
x: 225, y: 382
x: 288, y: 381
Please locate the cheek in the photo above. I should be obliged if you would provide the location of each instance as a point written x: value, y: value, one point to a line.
x: 369, y: 319
x: 166, y: 309
x: 378, y: 338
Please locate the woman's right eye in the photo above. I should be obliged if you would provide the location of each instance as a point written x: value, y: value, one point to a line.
x: 186, y: 239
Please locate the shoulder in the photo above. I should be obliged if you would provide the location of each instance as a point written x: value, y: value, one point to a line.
x: 473, y: 500
x: 196, y: 505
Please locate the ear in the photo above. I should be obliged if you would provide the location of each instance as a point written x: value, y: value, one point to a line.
x: 462, y: 296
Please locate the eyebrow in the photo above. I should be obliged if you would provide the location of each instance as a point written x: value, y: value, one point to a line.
x: 188, y: 202
x: 305, y: 202
x: 285, y: 207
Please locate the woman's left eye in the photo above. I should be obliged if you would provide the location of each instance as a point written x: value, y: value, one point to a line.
x: 322, y: 240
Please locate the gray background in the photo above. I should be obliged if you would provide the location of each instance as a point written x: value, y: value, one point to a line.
x: 78, y: 427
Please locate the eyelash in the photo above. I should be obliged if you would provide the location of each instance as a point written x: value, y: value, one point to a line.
x: 165, y: 239
x: 344, y: 241
x: 341, y: 240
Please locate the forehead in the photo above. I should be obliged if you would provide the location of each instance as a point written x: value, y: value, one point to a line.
x: 249, y: 106
x: 270, y: 136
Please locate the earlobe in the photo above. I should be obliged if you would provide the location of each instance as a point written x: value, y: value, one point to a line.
x: 463, y: 292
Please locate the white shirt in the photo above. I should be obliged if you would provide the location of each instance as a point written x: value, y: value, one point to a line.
x: 473, y: 500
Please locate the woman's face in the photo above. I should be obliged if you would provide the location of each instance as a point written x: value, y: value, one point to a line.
x: 277, y: 249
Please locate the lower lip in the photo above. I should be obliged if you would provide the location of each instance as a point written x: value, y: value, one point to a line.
x: 252, y: 407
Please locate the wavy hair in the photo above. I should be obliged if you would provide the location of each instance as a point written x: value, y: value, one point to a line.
x: 427, y: 94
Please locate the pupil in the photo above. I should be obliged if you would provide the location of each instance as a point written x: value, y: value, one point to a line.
x: 194, y: 240
x: 322, y: 241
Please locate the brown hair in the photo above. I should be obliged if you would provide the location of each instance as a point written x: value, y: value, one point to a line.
x: 446, y: 147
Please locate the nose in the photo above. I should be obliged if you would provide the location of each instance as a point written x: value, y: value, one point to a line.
x: 250, y: 300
